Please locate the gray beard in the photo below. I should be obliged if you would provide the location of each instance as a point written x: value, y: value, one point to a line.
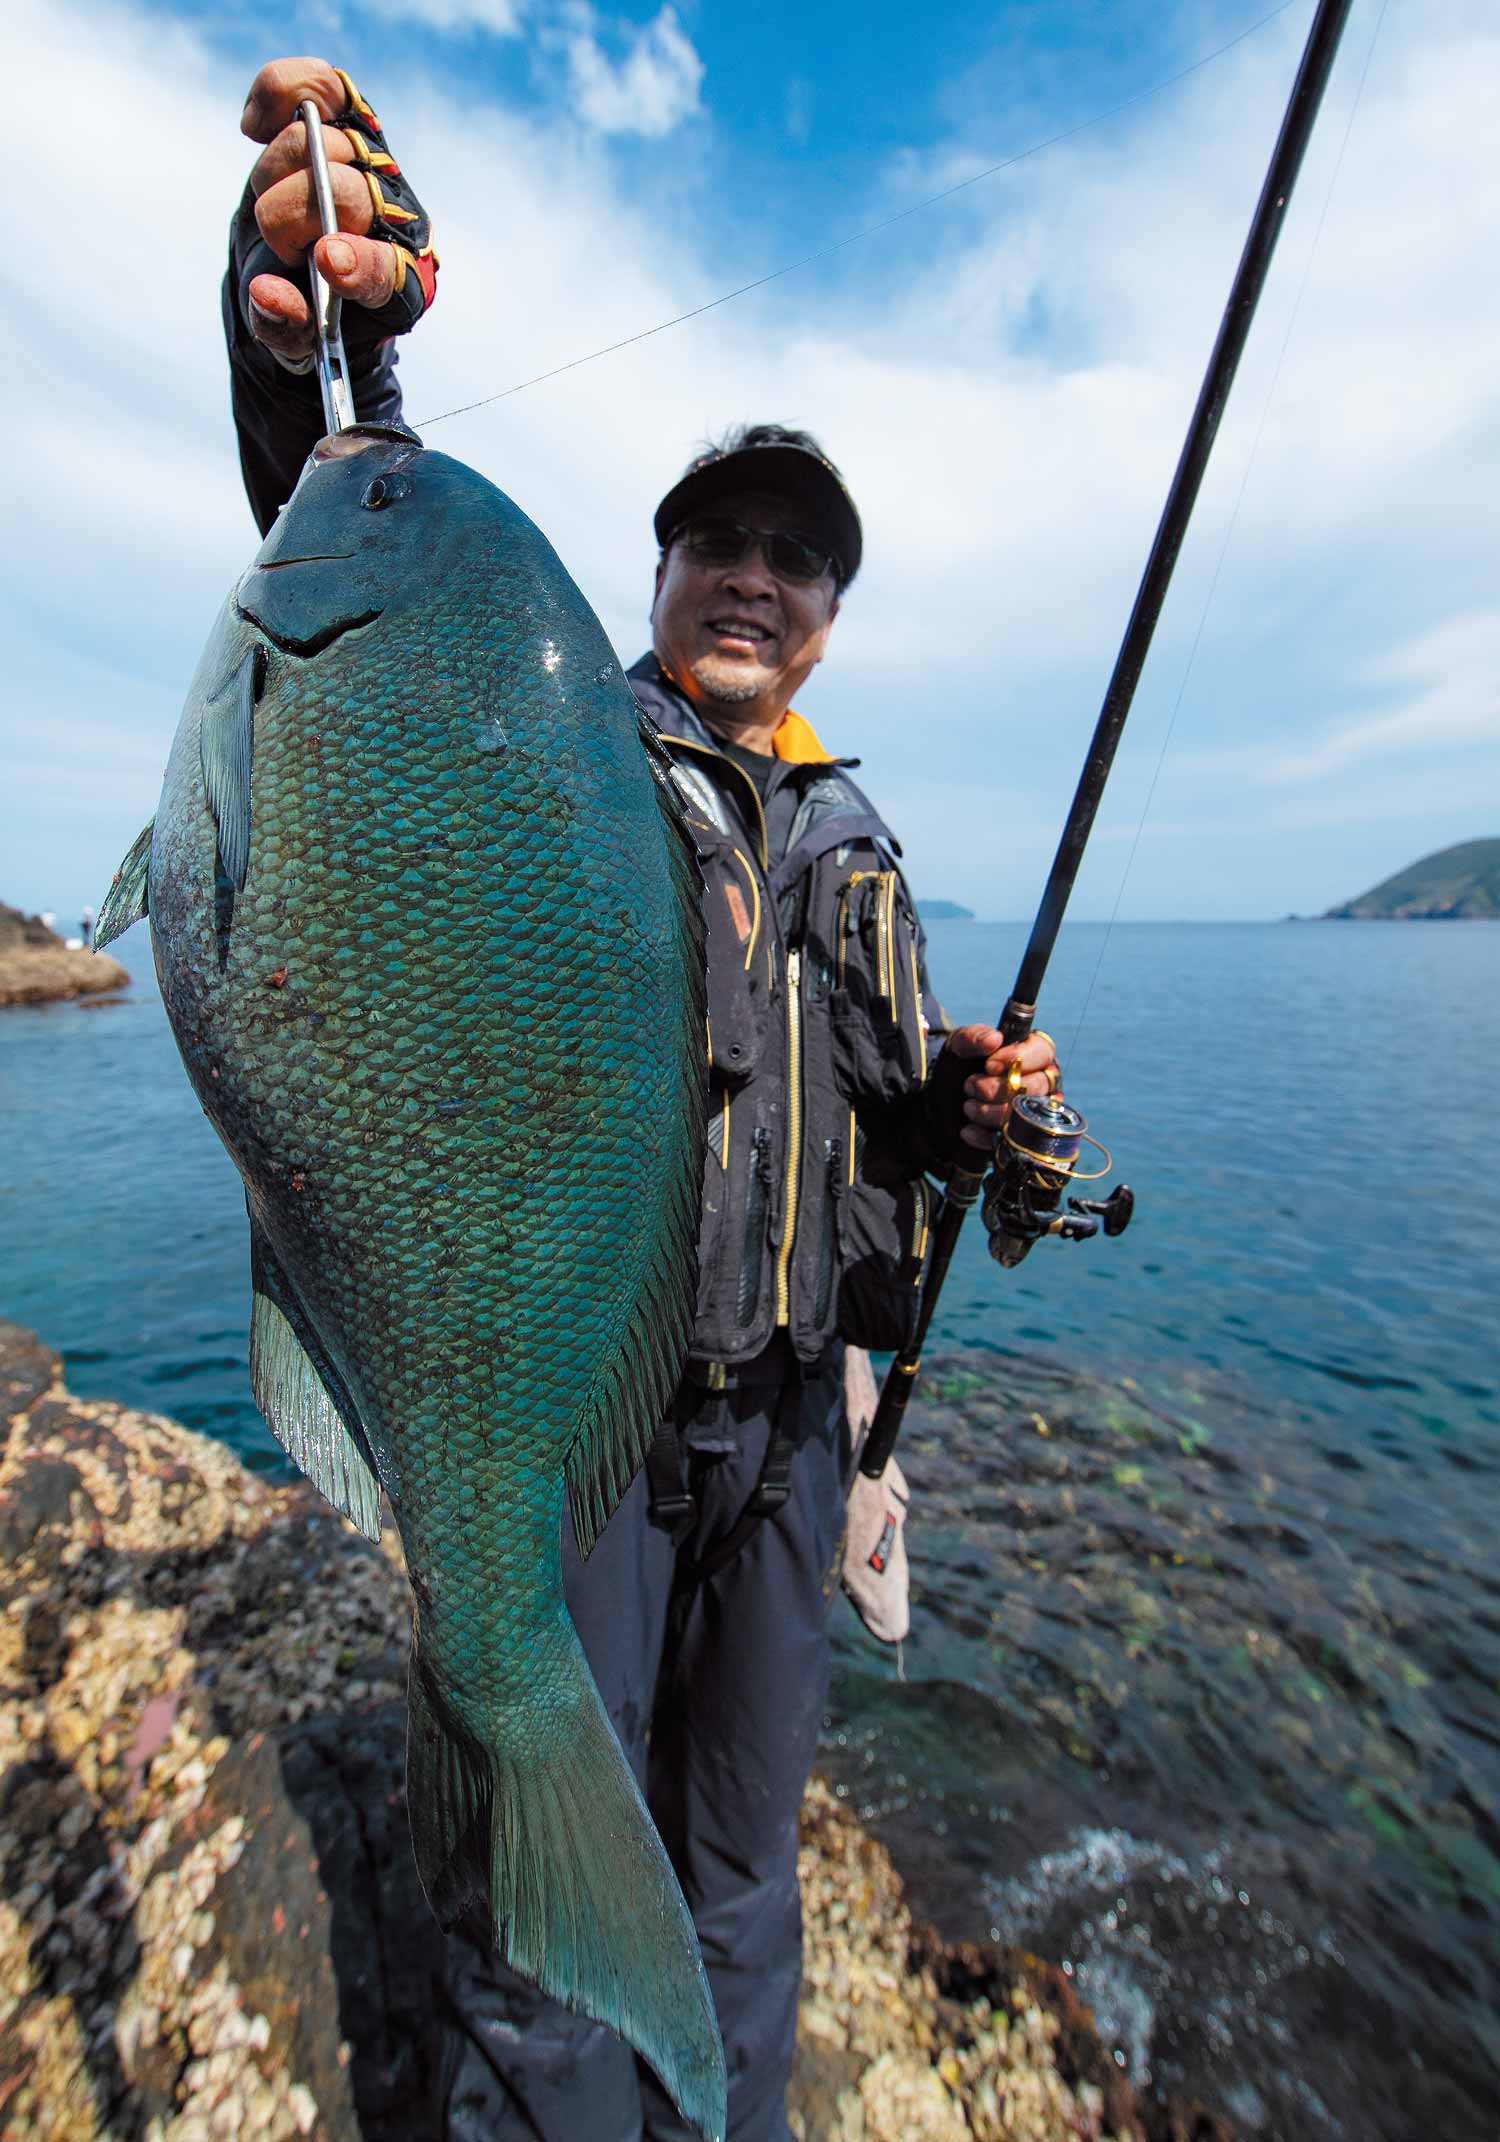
x: 735, y: 690
x: 729, y: 695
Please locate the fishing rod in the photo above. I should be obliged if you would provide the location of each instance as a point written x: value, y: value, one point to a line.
x: 1039, y: 1150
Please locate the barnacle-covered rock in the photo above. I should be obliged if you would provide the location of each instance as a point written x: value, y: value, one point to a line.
x: 210, y: 1921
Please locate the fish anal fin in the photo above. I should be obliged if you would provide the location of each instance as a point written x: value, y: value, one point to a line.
x: 226, y: 749
x: 300, y: 1412
x: 635, y: 1387
x: 125, y: 902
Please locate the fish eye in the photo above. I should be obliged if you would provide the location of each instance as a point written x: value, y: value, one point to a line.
x: 384, y: 491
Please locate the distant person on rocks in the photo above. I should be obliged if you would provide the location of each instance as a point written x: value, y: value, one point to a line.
x: 86, y: 928
x: 836, y: 1090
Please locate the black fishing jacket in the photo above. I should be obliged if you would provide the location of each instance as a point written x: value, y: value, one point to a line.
x: 822, y: 1026
x: 824, y: 1122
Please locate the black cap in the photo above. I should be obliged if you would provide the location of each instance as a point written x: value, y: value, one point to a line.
x: 783, y: 464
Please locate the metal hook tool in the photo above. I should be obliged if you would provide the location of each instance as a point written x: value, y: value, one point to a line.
x: 333, y: 367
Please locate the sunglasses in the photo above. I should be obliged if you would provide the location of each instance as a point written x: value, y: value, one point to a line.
x: 714, y: 540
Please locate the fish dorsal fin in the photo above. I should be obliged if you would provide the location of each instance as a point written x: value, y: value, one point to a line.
x: 294, y: 1397
x: 125, y: 902
x: 634, y: 1387
x: 226, y: 748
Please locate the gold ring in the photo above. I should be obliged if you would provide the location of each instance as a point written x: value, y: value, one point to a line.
x: 1053, y: 1076
x: 1015, y: 1077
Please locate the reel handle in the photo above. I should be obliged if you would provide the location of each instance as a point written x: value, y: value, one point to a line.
x: 1114, y: 1213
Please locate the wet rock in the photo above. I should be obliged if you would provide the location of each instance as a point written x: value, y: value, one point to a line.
x: 824, y: 2075
x: 1186, y: 2123
x: 346, y: 1775
x: 36, y: 1510
x: 27, y: 1371
x: 36, y: 967
x: 272, y: 1928
x: 210, y: 1921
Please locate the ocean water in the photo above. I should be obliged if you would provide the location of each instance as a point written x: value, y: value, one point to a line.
x: 1202, y: 1698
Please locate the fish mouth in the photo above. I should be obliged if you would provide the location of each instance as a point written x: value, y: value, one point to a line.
x: 304, y: 646
x: 309, y: 557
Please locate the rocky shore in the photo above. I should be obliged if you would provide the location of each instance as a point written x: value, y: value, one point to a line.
x: 36, y: 967
x: 209, y: 1919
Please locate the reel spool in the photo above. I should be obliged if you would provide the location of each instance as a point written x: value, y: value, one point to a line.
x: 1039, y: 1155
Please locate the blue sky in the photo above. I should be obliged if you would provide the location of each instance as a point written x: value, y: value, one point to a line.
x: 1005, y: 378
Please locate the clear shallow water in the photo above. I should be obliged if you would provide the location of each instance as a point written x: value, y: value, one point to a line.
x: 1202, y: 1690
x: 1204, y: 1683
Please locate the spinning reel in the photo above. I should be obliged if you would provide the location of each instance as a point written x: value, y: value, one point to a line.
x: 1037, y: 1157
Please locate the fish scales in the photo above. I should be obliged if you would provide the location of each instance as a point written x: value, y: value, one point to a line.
x: 451, y: 1028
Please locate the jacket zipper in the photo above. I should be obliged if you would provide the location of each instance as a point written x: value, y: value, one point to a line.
x: 885, y: 937
x: 794, y: 1133
x: 833, y: 1154
x: 856, y: 877
x: 753, y: 1246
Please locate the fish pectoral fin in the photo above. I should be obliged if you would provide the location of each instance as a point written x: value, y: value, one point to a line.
x: 542, y: 1824
x: 305, y: 1421
x: 633, y: 1390
x: 226, y: 749
x: 294, y: 1397
x: 125, y: 902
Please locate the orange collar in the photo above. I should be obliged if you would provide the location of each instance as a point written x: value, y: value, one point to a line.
x: 798, y: 741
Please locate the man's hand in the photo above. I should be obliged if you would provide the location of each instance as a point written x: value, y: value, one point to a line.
x: 988, y: 1091
x: 362, y: 265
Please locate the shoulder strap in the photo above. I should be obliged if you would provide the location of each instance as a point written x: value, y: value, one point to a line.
x: 672, y: 1503
x: 766, y: 1497
x: 831, y: 832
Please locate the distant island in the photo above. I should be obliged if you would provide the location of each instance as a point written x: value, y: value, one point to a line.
x: 945, y: 911
x: 1459, y: 884
x: 37, y: 967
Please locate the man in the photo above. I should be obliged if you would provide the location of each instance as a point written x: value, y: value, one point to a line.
x: 703, y: 1609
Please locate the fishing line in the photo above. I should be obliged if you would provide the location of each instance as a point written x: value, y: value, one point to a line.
x: 870, y: 230
x: 1239, y: 500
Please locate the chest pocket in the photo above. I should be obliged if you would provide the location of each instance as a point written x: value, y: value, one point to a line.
x: 875, y: 1006
x: 741, y: 955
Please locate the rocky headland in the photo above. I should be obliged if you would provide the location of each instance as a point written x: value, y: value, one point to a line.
x: 210, y: 1924
x: 1459, y: 884
x: 36, y: 967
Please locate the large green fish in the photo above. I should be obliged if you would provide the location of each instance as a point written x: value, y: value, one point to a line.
x: 428, y: 933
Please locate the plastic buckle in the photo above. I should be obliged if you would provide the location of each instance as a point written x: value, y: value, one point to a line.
x: 674, y: 1509
x: 769, y: 1496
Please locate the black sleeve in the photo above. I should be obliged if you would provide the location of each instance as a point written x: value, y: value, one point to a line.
x: 278, y: 415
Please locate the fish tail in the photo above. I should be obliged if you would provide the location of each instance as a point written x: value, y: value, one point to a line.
x: 544, y: 1825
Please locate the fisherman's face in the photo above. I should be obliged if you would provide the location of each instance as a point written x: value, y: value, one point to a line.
x: 739, y: 637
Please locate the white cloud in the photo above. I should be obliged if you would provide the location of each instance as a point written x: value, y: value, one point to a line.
x: 649, y: 90
x: 1448, y: 681
x: 1009, y: 482
x: 500, y: 18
